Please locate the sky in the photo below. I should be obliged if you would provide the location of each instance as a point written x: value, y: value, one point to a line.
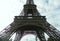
x: 11, y: 8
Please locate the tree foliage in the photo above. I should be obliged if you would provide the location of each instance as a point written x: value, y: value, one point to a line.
x: 49, y: 39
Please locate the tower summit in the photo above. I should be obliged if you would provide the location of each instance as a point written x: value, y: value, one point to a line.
x: 30, y: 2
x: 30, y: 9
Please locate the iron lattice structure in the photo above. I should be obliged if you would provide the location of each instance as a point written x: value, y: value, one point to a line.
x: 30, y: 21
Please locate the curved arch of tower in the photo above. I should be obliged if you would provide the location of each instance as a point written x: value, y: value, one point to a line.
x: 30, y: 21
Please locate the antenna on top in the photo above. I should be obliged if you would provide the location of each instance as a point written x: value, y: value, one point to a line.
x: 30, y: 2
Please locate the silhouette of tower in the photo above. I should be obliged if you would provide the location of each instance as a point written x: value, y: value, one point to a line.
x: 30, y: 22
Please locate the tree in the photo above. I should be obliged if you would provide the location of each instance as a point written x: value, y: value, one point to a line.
x: 0, y: 39
x: 10, y: 40
x: 50, y: 39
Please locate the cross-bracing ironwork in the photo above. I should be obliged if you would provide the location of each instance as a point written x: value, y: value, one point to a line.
x: 30, y: 21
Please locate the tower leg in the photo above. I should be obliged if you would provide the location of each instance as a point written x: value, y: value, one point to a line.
x: 52, y: 32
x: 41, y: 36
x: 18, y: 36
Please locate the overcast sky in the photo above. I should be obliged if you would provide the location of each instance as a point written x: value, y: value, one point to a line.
x: 11, y: 8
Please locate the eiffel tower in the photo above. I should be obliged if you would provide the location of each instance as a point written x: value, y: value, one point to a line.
x: 30, y: 22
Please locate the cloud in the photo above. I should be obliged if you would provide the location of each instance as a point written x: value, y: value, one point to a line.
x: 50, y: 9
x: 29, y: 37
x: 46, y: 1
